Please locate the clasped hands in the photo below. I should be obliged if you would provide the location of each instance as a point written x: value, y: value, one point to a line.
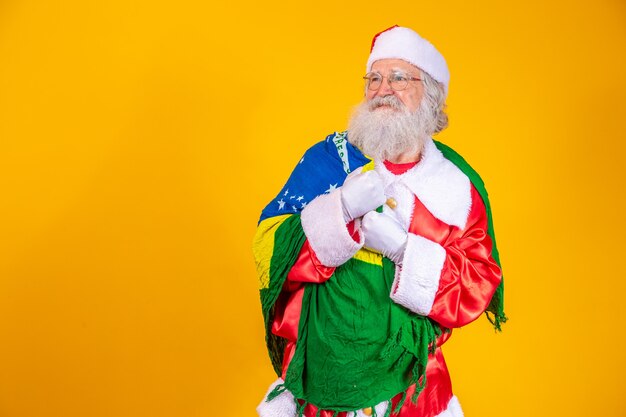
x: 361, y: 194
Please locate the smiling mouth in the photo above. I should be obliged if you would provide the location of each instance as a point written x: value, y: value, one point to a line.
x: 384, y: 106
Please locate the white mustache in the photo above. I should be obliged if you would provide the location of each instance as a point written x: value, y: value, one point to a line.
x: 390, y: 100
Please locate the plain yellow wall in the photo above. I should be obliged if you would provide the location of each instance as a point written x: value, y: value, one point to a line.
x: 139, y: 141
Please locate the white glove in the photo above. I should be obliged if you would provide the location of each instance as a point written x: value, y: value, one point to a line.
x: 360, y: 193
x: 384, y: 233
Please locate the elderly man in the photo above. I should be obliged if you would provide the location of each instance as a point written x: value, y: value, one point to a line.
x: 379, y: 244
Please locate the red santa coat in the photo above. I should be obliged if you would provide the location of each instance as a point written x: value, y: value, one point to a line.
x: 448, y: 272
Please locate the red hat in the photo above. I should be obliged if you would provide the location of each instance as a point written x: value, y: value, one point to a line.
x: 403, y: 43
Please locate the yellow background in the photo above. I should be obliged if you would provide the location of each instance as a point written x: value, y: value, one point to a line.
x: 141, y: 139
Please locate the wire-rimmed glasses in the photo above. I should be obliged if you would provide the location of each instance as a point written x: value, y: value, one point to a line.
x: 397, y: 80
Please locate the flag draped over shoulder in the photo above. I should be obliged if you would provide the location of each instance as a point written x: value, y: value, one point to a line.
x: 321, y: 170
x: 279, y: 235
x: 401, y: 343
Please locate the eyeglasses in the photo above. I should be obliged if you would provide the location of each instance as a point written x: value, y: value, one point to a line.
x: 397, y: 80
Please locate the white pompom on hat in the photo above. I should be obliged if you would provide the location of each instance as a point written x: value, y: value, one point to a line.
x: 403, y: 43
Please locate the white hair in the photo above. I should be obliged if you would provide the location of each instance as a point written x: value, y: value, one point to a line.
x: 435, y: 96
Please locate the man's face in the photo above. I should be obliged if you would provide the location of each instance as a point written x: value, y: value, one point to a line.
x: 411, y: 96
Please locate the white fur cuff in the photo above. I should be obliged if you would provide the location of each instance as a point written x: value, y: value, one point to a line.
x: 325, y: 228
x: 282, y: 406
x: 417, y: 280
x: 453, y: 409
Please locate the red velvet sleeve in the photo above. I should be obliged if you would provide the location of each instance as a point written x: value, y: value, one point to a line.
x: 470, y: 275
x: 308, y: 267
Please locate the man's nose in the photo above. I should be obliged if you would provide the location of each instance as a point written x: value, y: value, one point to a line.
x: 385, y: 88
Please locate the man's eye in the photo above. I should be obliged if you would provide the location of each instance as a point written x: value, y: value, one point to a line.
x: 398, y: 78
x: 375, y: 79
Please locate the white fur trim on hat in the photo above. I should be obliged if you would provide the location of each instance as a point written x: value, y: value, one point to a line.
x: 404, y: 43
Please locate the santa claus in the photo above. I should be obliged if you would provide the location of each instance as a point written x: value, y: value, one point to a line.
x: 379, y: 244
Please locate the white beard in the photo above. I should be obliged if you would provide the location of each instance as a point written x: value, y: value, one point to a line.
x: 387, y: 133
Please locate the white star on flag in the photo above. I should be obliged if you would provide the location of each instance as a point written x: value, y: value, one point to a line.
x: 286, y: 192
x: 281, y: 204
x: 304, y: 204
x: 300, y: 198
x: 331, y: 187
x: 302, y: 160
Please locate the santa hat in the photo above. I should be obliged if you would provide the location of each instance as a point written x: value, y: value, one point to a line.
x: 403, y: 43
